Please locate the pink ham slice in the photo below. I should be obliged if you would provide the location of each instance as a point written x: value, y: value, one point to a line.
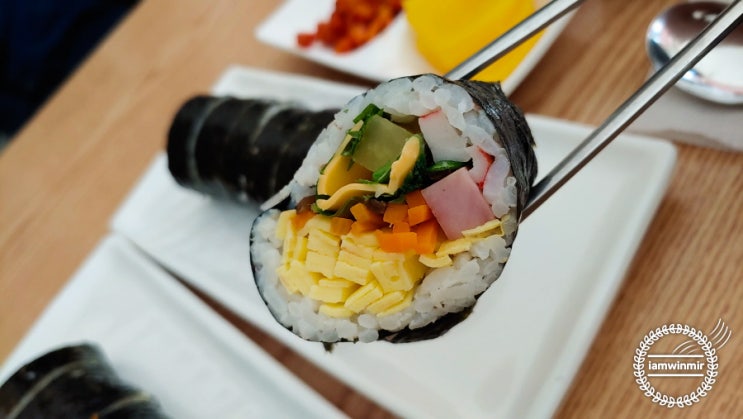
x: 457, y: 203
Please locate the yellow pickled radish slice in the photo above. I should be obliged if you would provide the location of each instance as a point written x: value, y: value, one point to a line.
x: 447, y: 32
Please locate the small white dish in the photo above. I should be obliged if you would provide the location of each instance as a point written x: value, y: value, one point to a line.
x: 517, y: 354
x: 161, y: 338
x: 390, y: 54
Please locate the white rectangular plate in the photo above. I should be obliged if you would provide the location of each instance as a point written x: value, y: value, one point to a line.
x: 390, y: 54
x: 159, y: 337
x: 516, y: 355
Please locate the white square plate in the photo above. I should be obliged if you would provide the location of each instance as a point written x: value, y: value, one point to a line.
x: 516, y: 355
x: 161, y: 338
x: 390, y: 54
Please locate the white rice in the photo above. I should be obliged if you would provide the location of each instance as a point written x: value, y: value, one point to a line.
x: 444, y: 290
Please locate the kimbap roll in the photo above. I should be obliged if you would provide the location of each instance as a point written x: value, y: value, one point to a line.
x: 73, y: 382
x: 401, y: 215
x: 240, y: 149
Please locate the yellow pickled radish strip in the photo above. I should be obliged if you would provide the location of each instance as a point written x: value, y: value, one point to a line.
x: 365, y: 239
x: 386, y: 301
x: 319, y: 263
x: 399, y: 306
x: 336, y: 283
x: 353, y: 267
x: 435, y: 261
x: 364, y: 296
x: 335, y: 310
x: 330, y: 294
x: 485, y: 230
x: 284, y: 223
x: 355, y: 246
x: 453, y: 247
x: 447, y: 31
x: 300, y: 249
x: 339, y: 172
x: 323, y: 243
x: 287, y: 279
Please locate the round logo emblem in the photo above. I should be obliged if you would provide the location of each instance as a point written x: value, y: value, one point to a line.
x: 675, y: 365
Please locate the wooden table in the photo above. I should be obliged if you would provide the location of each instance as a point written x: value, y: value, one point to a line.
x: 71, y: 166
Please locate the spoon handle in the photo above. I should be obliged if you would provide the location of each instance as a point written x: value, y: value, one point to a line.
x: 635, y: 105
x: 513, y: 38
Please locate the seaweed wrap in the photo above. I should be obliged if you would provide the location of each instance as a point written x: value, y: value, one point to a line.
x: 240, y: 149
x: 401, y: 215
x: 71, y: 382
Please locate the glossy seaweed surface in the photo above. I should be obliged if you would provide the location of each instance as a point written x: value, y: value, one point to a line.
x: 73, y: 382
x: 240, y: 149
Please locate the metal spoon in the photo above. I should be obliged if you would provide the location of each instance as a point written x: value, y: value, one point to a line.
x: 719, y: 76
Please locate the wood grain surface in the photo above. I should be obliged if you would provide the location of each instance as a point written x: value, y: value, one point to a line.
x: 68, y: 170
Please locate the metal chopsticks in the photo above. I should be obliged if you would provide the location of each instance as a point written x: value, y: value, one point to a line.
x: 653, y: 88
x: 635, y: 105
x: 513, y: 38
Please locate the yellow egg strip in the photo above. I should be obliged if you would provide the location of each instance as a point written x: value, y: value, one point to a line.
x: 338, y: 181
x: 335, y: 310
x: 351, y: 274
x: 347, y: 270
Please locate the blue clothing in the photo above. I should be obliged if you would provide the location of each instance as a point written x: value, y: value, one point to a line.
x: 41, y: 43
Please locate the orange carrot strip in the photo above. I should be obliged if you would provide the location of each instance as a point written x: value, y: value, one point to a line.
x: 419, y: 214
x: 396, y: 242
x: 301, y: 219
x: 358, y: 227
x: 396, y: 213
x: 363, y: 214
x: 415, y: 198
x: 428, y: 237
x: 340, y: 226
x: 400, y: 228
